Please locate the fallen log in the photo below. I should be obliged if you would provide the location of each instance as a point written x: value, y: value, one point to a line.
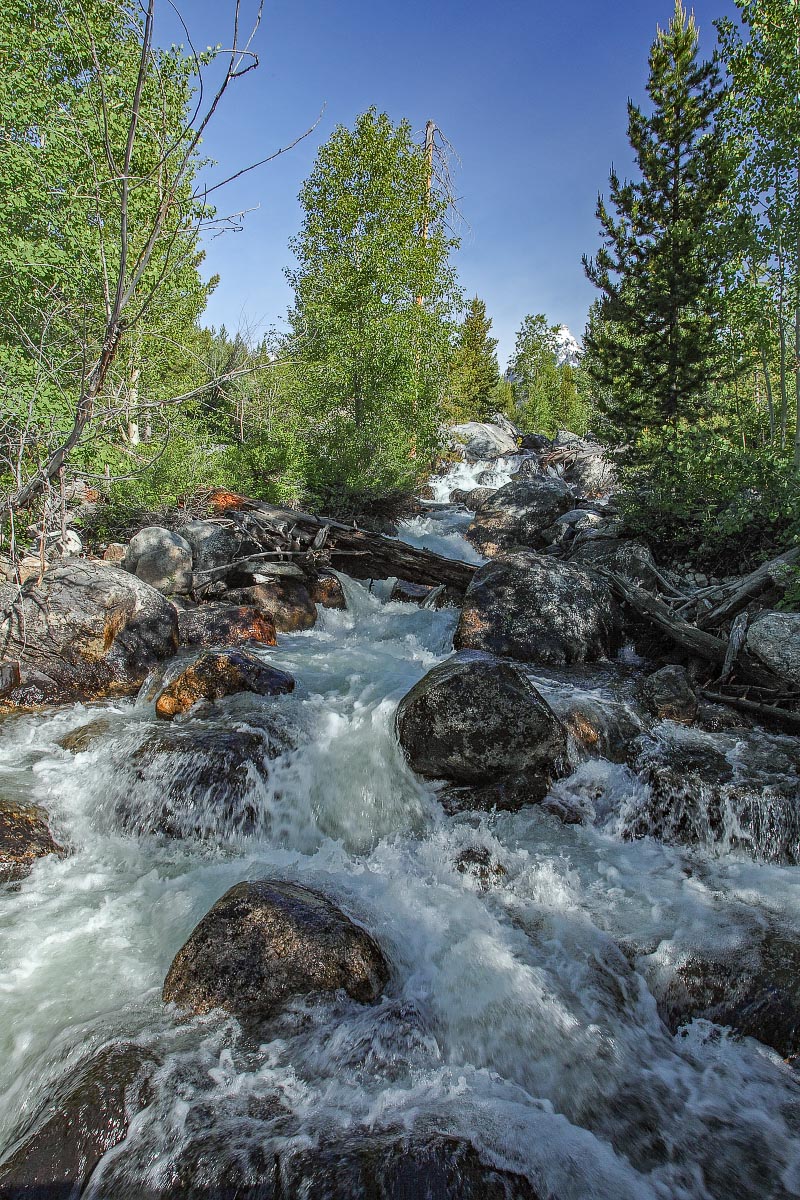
x: 767, y: 712
x: 688, y: 637
x: 752, y: 585
x: 358, y: 552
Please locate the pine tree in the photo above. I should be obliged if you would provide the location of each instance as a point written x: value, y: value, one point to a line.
x: 655, y: 350
x: 475, y: 373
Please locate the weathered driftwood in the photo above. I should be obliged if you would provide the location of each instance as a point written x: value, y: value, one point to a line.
x: 765, y: 711
x: 689, y: 637
x: 752, y: 585
x: 358, y: 552
x: 735, y: 644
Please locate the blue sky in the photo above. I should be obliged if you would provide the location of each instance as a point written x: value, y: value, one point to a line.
x: 531, y: 95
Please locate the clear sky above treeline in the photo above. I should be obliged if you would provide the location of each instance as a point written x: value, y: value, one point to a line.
x: 531, y: 95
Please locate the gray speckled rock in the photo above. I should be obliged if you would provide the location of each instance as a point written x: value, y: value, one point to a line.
x: 538, y: 610
x: 266, y: 941
x: 212, y: 545
x: 474, y: 719
x: 626, y: 557
x: 161, y: 558
x: 774, y: 638
x: 482, y: 440
x: 518, y: 514
x: 670, y: 694
x: 86, y: 631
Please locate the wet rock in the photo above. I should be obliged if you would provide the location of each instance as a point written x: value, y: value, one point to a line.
x: 509, y: 794
x: 189, y: 780
x: 215, y: 545
x: 481, y: 440
x: 536, y: 441
x: 518, y: 514
x: 478, y: 496
x: 717, y: 717
x: 285, y: 600
x: 774, y: 638
x: 478, y: 861
x: 327, y: 591
x: 414, y: 1167
x: 161, y: 558
x: 603, y: 728
x: 267, y: 941
x: 86, y: 1116
x: 214, y: 676
x: 754, y: 990
x: 24, y: 836
x: 88, y: 630
x: 630, y: 559
x: 476, y: 720
x: 85, y: 736
x: 538, y: 610
x: 670, y: 694
x: 410, y: 593
x: 224, y: 625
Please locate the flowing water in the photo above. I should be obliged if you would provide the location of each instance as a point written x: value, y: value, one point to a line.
x: 521, y: 1010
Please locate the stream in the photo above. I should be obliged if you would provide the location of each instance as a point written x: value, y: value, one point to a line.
x: 521, y: 1012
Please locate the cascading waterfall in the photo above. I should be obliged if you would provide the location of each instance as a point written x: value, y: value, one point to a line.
x: 521, y: 1012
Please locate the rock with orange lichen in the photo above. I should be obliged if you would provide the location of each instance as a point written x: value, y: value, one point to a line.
x: 213, y: 676
x: 284, y: 599
x: 327, y: 591
x: 224, y: 625
x: 24, y: 836
x: 86, y: 631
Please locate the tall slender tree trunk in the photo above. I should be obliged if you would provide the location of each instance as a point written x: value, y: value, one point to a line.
x: 768, y: 392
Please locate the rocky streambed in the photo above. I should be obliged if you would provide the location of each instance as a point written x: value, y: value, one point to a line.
x: 371, y: 920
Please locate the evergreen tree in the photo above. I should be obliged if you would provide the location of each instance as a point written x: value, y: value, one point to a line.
x: 656, y: 349
x: 475, y: 373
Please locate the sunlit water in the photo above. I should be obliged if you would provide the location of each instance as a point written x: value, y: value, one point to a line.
x: 519, y: 1014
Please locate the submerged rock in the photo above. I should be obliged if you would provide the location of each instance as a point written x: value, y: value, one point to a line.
x: 161, y: 558
x: 224, y: 625
x: 518, y: 515
x: 85, y: 1117
x: 538, y: 610
x: 476, y: 720
x: 482, y: 440
x: 84, y: 737
x: 267, y: 941
x: 285, y: 601
x: 774, y: 638
x: 24, y: 836
x: 213, y: 676
x: 86, y: 631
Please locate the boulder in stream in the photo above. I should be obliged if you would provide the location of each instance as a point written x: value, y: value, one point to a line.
x: 538, y: 610
x: 224, y: 625
x: 161, y: 558
x: 86, y: 631
x: 215, y: 544
x: 774, y: 638
x: 670, y: 694
x: 328, y: 591
x: 518, y: 515
x: 624, y: 556
x: 266, y: 941
x: 482, y: 440
x: 83, y: 1119
x: 214, y: 675
x: 24, y: 836
x: 285, y: 600
x: 478, y: 721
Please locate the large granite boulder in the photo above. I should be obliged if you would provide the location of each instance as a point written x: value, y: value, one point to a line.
x: 83, y: 1119
x: 481, y: 440
x: 774, y: 638
x: 267, y: 941
x: 518, y: 515
x: 161, y: 558
x: 215, y: 544
x: 538, y: 610
x: 284, y: 599
x: 625, y: 557
x: 24, y: 836
x: 224, y: 625
x: 476, y: 720
x: 214, y: 675
x: 86, y: 631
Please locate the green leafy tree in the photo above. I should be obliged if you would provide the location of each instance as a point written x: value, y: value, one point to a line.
x: 656, y: 350
x: 372, y: 322
x: 546, y: 389
x: 474, y: 373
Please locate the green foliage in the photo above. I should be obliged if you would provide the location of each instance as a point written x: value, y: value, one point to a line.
x: 655, y: 349
x: 474, y: 373
x: 546, y: 391
x: 372, y: 322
